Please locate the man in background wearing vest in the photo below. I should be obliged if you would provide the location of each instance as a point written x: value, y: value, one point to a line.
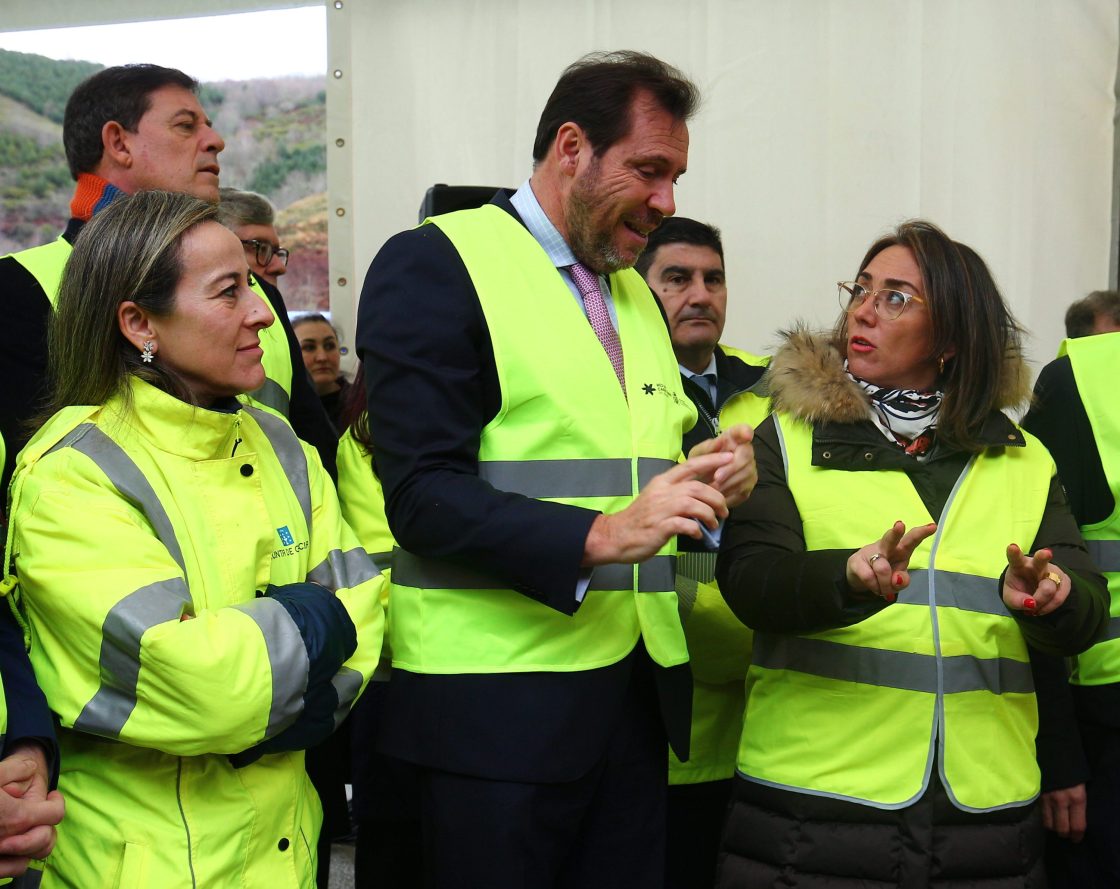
x: 128, y: 128
x: 683, y: 265
x: 1076, y: 414
x: 522, y: 390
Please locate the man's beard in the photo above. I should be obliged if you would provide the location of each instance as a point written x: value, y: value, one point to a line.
x: 592, y: 244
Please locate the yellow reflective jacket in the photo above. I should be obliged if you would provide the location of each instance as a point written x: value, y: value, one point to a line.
x: 125, y: 521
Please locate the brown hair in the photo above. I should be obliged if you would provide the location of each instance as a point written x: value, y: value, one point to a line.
x: 128, y: 251
x: 597, y: 91
x: 968, y: 314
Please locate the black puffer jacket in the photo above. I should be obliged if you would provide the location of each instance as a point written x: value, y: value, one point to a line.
x: 783, y: 838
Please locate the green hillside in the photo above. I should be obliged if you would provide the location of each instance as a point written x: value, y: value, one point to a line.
x: 274, y: 130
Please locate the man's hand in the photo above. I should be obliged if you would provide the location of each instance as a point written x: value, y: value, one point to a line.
x: 1032, y: 583
x: 1063, y: 811
x: 28, y: 813
x: 670, y: 504
x: 736, y: 480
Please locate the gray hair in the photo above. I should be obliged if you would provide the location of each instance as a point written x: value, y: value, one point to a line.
x: 237, y: 207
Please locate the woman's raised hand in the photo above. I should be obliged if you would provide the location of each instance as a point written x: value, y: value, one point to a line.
x: 1033, y: 583
x: 881, y: 567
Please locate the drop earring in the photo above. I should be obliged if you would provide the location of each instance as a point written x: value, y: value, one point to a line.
x: 940, y: 364
x: 146, y: 353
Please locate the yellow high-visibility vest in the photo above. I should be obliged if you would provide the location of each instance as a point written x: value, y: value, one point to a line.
x: 940, y: 678
x: 566, y: 433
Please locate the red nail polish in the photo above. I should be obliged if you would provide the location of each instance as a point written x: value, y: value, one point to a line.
x: 897, y: 580
x: 1030, y: 604
x: 890, y: 597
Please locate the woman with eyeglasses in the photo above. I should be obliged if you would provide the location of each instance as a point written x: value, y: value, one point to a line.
x: 906, y: 547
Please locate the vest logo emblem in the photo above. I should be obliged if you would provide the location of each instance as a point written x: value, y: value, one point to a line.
x: 662, y: 389
x: 286, y: 537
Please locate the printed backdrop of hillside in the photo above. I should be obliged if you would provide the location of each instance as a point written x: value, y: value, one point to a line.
x: 274, y: 130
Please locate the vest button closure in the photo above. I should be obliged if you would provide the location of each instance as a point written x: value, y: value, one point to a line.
x: 868, y: 456
x: 246, y: 470
x: 283, y: 844
x: 827, y: 455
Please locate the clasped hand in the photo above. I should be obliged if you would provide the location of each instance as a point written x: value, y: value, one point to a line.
x: 718, y: 474
x: 28, y: 812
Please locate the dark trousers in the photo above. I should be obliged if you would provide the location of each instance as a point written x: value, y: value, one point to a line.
x: 605, y: 830
x: 388, y: 849
x: 1094, y: 863
x: 696, y: 813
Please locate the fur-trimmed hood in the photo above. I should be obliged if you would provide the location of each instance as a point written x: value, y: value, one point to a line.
x: 807, y: 380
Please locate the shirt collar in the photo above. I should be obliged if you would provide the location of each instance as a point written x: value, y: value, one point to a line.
x: 541, y: 227
x: 710, y: 369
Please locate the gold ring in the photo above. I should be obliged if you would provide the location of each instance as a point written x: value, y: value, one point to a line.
x: 1054, y: 576
x: 871, y: 561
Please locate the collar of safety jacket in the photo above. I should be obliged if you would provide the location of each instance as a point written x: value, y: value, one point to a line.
x: 175, y: 427
x: 807, y: 379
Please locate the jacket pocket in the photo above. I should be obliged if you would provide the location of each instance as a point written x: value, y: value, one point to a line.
x: 133, y: 872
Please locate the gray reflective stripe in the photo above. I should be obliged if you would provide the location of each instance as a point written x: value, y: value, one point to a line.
x: 127, y: 478
x: 966, y: 592
x: 290, y: 454
x: 700, y: 567
x: 648, y: 467
x: 890, y: 669
x: 347, y: 683
x: 32, y: 878
x: 272, y: 395
x: 1000, y: 676
x: 687, y: 591
x: 1106, y: 553
x: 656, y: 575
x: 559, y: 478
x: 287, y: 657
x: 381, y: 561
x: 108, y: 710
x: 343, y: 570
x: 782, y: 445
x: 1113, y: 630
x: 825, y: 795
x: 599, y: 477
x: 119, y: 664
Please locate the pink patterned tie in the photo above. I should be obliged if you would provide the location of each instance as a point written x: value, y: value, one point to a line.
x: 587, y: 282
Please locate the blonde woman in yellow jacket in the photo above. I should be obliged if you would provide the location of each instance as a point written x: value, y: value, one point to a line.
x: 199, y: 611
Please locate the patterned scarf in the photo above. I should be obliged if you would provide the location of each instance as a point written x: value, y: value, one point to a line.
x: 92, y: 194
x: 906, y: 417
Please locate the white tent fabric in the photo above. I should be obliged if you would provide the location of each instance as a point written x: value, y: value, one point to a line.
x: 825, y: 122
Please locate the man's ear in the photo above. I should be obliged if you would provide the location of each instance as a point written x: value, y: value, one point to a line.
x: 570, y: 145
x: 115, y: 146
x: 136, y: 325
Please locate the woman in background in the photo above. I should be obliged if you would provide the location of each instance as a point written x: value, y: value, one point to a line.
x: 318, y: 341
